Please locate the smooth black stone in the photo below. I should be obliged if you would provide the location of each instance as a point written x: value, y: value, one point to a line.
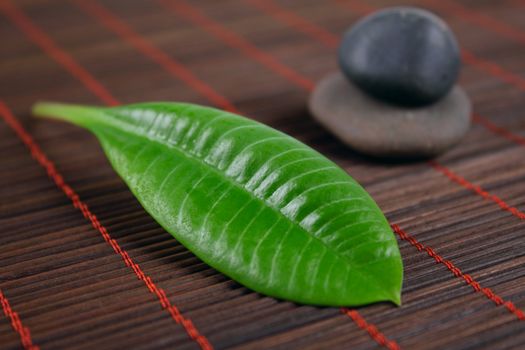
x: 402, y: 55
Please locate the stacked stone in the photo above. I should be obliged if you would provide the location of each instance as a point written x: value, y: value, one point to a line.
x: 397, y: 94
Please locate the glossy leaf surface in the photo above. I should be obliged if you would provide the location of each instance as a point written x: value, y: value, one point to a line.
x: 254, y: 203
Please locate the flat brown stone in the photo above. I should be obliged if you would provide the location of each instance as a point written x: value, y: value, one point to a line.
x: 384, y: 130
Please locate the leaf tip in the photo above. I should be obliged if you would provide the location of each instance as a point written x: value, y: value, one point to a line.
x: 396, y: 299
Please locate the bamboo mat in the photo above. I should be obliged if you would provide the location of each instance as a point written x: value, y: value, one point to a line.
x: 82, y: 266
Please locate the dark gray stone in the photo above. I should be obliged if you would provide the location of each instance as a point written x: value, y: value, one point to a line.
x: 403, y: 55
x: 384, y: 130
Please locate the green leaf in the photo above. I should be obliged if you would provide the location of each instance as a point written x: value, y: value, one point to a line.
x: 254, y: 203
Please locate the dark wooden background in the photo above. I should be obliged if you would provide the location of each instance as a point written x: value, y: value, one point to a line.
x: 71, y: 290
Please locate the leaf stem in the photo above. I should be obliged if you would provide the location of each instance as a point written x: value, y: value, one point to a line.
x: 77, y: 114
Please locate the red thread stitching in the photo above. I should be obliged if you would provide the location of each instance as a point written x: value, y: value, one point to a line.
x: 48, y: 46
x: 234, y: 40
x: 59, y: 55
x: 477, y: 189
x: 174, y: 67
x: 371, y: 329
x: 469, y: 280
x: 493, y: 69
x: 53, y: 173
x: 50, y: 168
x: 17, y: 325
x: 498, y: 130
